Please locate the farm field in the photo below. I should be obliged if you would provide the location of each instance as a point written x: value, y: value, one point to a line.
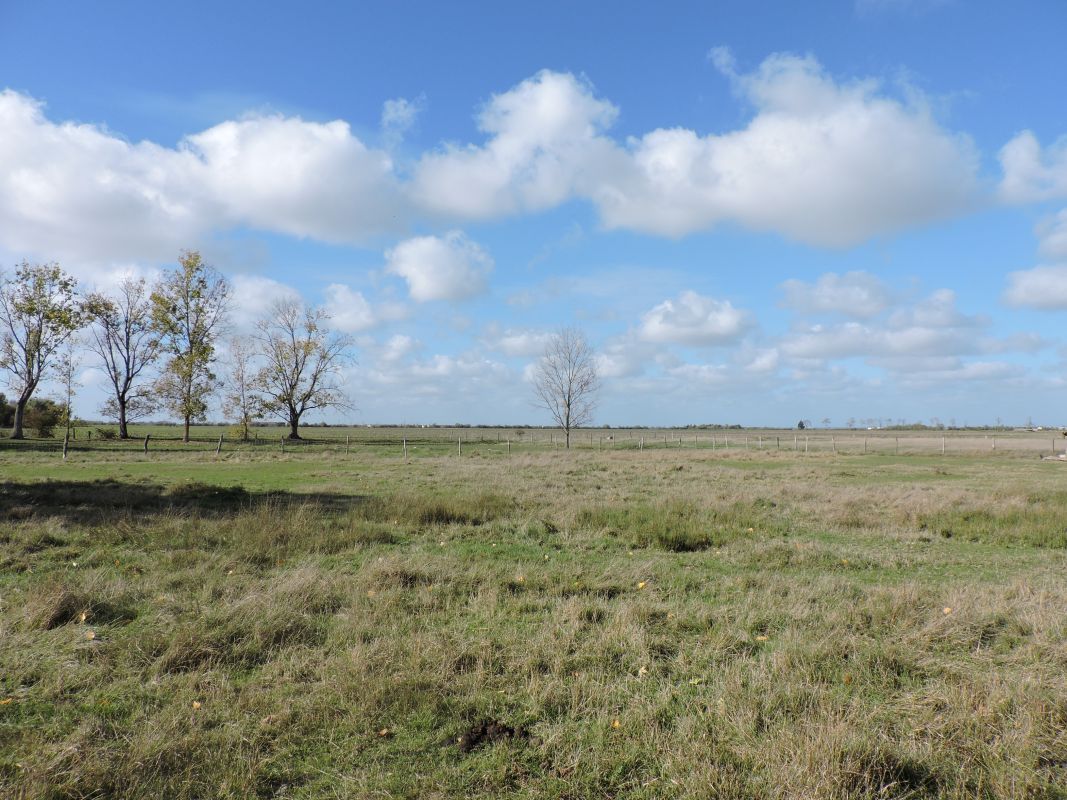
x: 627, y: 619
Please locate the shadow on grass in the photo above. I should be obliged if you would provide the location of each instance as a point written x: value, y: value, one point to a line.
x: 102, y: 501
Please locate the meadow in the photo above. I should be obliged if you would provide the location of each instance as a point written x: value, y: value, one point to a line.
x: 627, y: 619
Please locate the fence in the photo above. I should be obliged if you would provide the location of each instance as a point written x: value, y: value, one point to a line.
x: 413, y: 441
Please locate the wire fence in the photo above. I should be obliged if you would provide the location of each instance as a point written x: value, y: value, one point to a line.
x: 417, y: 441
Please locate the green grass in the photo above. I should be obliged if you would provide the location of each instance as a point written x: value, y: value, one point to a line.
x: 671, y: 623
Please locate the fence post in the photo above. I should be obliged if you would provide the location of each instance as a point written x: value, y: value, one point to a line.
x: 283, y: 442
x: 865, y: 444
x: 805, y: 444
x: 146, y: 443
x: 348, y: 442
x: 897, y: 439
x: 994, y: 441
x: 218, y: 447
x: 942, y: 445
x: 509, y: 446
x: 405, y: 440
x: 833, y: 443
x: 459, y: 446
x: 759, y: 443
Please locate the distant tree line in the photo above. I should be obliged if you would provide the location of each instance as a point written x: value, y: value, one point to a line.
x: 158, y: 346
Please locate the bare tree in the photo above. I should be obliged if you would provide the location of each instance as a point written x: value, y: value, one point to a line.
x: 39, y: 311
x: 566, y: 380
x: 241, y: 400
x: 188, y: 313
x: 123, y: 337
x: 303, y: 361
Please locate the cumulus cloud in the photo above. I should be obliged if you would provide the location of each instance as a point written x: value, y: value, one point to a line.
x: 855, y: 294
x: 1052, y: 236
x: 252, y: 297
x: 1043, y: 287
x: 1032, y: 173
x: 693, y: 319
x: 351, y: 312
x: 931, y: 328
x: 516, y: 342
x: 543, y: 136
x: 821, y: 162
x: 451, y: 267
x: 80, y: 192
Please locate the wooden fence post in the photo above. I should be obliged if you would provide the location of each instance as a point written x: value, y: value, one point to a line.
x: 942, y: 445
x: 348, y: 443
x: 509, y: 445
x: 405, y: 447
x: 459, y: 446
x: 218, y: 448
x: 146, y: 442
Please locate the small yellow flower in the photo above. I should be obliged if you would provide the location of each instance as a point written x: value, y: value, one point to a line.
x: 695, y: 681
x: 521, y: 579
x: 384, y: 732
x: 196, y: 705
x: 761, y: 638
x: 946, y: 610
x: 90, y: 635
x: 642, y: 584
x: 642, y: 672
x: 751, y: 530
x: 616, y: 724
x: 83, y: 616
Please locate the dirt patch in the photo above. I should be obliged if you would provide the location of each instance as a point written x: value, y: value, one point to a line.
x: 489, y: 733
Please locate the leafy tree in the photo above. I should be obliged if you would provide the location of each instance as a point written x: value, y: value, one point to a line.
x: 302, y: 362
x: 566, y: 380
x: 42, y: 417
x: 188, y: 313
x: 125, y: 340
x: 242, y: 401
x: 39, y: 311
x: 7, y: 411
x: 800, y: 425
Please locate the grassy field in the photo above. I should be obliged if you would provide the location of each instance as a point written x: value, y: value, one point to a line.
x: 607, y: 622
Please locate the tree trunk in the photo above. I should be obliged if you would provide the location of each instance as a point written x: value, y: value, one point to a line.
x: 123, y: 432
x: 20, y: 412
x: 567, y: 436
x: 185, y: 435
x: 294, y: 424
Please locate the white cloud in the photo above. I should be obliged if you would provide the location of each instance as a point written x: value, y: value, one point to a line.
x: 79, y: 192
x: 1043, y: 287
x: 931, y: 328
x: 694, y: 319
x: 252, y: 296
x: 398, y: 117
x: 543, y: 135
x: 822, y: 162
x: 516, y: 342
x: 1052, y: 236
x: 1031, y: 174
x: 351, y: 312
x: 856, y: 294
x: 451, y: 267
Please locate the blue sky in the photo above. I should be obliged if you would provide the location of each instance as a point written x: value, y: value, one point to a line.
x: 758, y: 212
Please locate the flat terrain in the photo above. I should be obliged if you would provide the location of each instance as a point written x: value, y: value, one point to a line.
x: 609, y: 622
